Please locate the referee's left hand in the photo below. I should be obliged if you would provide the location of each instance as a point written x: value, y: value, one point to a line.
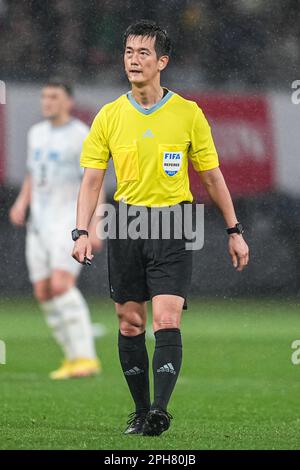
x: 238, y: 250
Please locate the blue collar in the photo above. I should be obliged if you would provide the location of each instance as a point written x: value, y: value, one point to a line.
x: 153, y: 108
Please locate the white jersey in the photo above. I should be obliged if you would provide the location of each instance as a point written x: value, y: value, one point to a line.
x: 53, y: 162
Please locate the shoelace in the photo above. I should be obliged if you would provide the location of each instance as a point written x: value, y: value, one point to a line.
x: 132, y: 417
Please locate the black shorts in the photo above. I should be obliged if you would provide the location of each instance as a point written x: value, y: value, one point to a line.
x: 143, y: 268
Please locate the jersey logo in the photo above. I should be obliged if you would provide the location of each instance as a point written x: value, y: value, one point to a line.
x: 172, y: 162
x: 148, y: 133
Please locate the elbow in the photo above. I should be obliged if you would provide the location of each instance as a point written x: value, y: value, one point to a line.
x: 92, y: 179
x: 211, y: 178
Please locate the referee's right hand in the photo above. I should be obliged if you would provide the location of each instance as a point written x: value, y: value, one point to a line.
x: 82, y: 248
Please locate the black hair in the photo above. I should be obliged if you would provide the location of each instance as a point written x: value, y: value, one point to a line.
x: 150, y: 29
x: 60, y: 83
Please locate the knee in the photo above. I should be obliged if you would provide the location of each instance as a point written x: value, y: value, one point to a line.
x: 58, y: 286
x: 130, y: 323
x: 42, y: 293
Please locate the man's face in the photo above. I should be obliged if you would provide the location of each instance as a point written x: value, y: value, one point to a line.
x: 55, y: 102
x: 140, y: 60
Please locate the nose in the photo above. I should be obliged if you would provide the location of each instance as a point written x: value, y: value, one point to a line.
x: 134, y: 59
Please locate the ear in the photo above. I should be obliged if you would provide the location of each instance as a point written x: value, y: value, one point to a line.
x: 71, y: 103
x: 163, y: 62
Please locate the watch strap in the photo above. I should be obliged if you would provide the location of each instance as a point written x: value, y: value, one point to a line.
x: 238, y: 228
x: 82, y: 232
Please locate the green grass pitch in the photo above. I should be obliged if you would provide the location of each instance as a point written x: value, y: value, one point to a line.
x: 238, y: 388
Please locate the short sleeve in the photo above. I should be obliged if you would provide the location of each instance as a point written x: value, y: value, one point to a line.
x: 95, y: 150
x: 202, y: 152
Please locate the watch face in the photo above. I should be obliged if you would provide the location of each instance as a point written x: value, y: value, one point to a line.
x: 74, y: 234
x: 240, y: 228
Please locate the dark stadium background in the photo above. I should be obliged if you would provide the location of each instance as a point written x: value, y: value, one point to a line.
x: 240, y: 59
x: 223, y: 47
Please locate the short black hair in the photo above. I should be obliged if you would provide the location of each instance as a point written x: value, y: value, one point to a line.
x: 150, y: 29
x: 60, y: 83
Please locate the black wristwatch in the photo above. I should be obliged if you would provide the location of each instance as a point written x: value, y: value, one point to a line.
x: 238, y: 228
x: 77, y: 233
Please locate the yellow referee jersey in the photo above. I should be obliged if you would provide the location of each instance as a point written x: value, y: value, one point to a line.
x: 150, y: 148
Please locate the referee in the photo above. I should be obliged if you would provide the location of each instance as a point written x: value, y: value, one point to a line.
x: 144, y: 131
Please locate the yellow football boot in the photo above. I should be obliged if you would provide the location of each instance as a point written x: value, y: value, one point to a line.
x: 83, y: 367
x: 63, y: 372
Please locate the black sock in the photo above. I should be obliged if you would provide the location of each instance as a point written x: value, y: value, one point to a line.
x: 166, y: 365
x: 135, y: 364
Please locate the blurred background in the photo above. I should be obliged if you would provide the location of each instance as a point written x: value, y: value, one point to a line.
x: 237, y: 58
x: 239, y: 387
x: 217, y: 43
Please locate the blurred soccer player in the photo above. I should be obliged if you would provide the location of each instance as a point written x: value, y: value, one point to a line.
x: 151, y: 134
x: 50, y: 191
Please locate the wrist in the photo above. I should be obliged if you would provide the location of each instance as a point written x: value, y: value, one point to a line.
x: 237, y: 229
x: 235, y: 235
x: 78, y: 233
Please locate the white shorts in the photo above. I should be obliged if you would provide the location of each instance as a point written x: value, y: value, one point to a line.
x: 46, y: 251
